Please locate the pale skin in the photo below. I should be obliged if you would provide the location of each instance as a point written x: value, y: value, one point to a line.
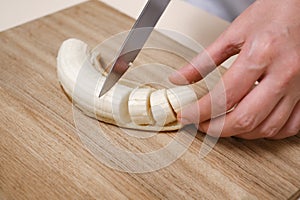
x: 267, y: 38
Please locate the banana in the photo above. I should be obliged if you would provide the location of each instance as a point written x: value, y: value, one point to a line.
x: 161, y: 109
x: 181, y: 96
x: 139, y: 106
x: 113, y: 105
x: 126, y: 104
x: 70, y: 59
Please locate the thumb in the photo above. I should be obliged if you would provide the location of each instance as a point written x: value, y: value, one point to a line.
x: 206, y: 61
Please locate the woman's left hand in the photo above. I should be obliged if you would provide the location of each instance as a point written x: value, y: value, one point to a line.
x: 267, y: 38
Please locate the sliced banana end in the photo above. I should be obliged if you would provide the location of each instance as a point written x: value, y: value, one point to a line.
x: 71, y: 56
x: 181, y: 96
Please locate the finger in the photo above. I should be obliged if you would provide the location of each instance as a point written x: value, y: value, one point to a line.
x: 250, y: 112
x: 205, y: 62
x: 274, y: 122
x: 292, y: 127
x: 234, y: 85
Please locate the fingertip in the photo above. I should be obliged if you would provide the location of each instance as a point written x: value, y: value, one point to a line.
x: 189, y: 114
x: 178, y: 79
x: 182, y: 120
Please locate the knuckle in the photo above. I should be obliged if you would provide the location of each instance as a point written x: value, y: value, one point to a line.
x: 279, y: 89
x: 233, y: 45
x: 280, y: 85
x: 232, y: 41
x: 270, y: 132
x: 293, y: 130
x: 267, y: 40
x: 292, y: 72
x: 258, y: 61
x: 261, y: 50
x: 245, y: 123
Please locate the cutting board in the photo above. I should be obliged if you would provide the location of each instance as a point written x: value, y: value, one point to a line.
x: 43, y: 157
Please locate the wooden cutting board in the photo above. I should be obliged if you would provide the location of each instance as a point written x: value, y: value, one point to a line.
x: 42, y: 156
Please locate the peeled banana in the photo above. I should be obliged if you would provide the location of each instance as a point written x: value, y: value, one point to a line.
x: 126, y: 104
x: 139, y: 106
x: 161, y: 109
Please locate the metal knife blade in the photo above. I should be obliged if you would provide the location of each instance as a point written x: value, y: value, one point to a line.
x: 135, y: 41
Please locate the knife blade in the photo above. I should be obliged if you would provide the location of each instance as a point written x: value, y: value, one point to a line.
x: 135, y: 41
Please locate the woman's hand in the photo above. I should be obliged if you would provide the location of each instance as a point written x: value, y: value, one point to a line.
x: 267, y: 38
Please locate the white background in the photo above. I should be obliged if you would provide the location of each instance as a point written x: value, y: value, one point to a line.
x: 179, y: 16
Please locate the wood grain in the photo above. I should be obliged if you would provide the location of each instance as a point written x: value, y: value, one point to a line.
x: 42, y: 157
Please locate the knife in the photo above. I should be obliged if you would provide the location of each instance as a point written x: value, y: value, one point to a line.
x: 135, y: 41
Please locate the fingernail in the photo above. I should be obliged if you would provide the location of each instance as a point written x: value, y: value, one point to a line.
x: 183, y: 120
x: 178, y: 78
x: 189, y: 114
x: 173, y: 76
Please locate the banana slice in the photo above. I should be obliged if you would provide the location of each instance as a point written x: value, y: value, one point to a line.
x: 114, y: 105
x: 180, y: 97
x: 141, y: 108
x: 161, y: 109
